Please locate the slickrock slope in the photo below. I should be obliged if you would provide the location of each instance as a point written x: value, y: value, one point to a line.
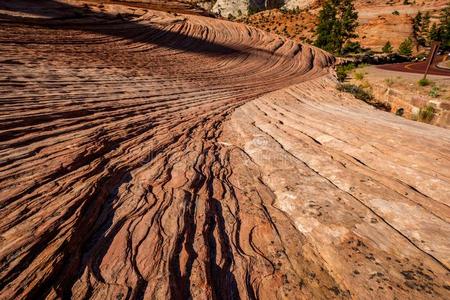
x: 364, y: 192
x: 163, y: 156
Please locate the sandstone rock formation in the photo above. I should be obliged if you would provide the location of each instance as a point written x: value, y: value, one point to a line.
x: 152, y: 155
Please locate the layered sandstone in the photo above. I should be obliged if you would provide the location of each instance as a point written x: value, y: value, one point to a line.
x: 153, y: 155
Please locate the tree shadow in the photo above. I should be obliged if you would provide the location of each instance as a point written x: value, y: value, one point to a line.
x: 57, y: 15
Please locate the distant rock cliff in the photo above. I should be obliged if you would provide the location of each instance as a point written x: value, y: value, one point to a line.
x: 235, y: 8
x: 239, y: 8
x: 293, y: 4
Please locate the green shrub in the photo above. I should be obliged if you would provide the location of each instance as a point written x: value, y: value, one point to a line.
x: 365, y: 85
x: 434, y: 92
x: 349, y: 67
x: 341, y: 74
x: 359, y: 93
x: 389, y: 82
x: 356, y: 91
x: 426, y: 114
x: 406, y: 47
x: 421, y: 56
x: 387, y: 48
x: 359, y: 75
x: 424, y: 82
x: 395, y: 13
x: 343, y: 70
x: 352, y: 47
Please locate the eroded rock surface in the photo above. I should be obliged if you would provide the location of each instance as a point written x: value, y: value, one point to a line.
x: 148, y: 155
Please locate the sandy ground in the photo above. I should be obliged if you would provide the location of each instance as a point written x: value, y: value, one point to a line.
x: 368, y: 11
x: 148, y: 155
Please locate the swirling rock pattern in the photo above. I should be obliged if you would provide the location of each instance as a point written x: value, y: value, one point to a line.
x: 156, y: 155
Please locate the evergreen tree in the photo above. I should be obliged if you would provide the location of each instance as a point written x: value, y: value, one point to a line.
x: 405, y: 47
x: 349, y: 21
x: 434, y: 34
x: 421, y: 28
x: 337, y: 24
x: 444, y: 28
x: 326, y: 29
x: 425, y: 30
x: 426, y: 22
x: 417, y: 22
x: 387, y: 48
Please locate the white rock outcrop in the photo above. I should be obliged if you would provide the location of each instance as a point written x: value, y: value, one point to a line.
x: 301, y: 4
x: 238, y: 8
x: 235, y: 8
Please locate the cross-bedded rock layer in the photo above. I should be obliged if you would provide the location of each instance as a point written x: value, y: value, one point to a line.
x: 155, y: 156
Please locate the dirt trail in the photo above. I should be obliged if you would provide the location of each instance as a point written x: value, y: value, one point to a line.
x: 162, y: 156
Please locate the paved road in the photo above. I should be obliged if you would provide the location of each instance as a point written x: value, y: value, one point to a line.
x: 417, y: 67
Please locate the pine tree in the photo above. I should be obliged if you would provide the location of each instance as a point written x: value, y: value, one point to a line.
x: 326, y: 29
x: 426, y: 22
x: 337, y: 24
x: 425, y: 30
x: 434, y: 34
x: 387, y: 48
x: 405, y: 47
x: 349, y: 21
x: 441, y: 32
x: 444, y: 28
x: 417, y: 23
x: 421, y: 28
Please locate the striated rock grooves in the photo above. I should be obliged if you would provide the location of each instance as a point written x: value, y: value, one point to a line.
x: 177, y: 157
